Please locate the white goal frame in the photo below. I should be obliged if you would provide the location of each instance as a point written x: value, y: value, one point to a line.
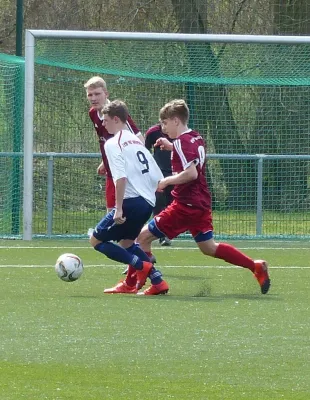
x: 30, y: 39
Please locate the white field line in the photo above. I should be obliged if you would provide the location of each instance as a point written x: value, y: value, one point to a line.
x: 162, y: 266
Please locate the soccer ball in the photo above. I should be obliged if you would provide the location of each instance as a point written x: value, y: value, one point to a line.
x: 69, y: 267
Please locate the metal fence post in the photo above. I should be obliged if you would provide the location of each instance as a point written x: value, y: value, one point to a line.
x: 50, y: 190
x: 259, y: 199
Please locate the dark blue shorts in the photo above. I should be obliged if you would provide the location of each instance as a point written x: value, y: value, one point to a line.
x: 137, y: 212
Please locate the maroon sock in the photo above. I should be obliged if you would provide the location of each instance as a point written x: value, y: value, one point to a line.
x: 131, y: 278
x: 234, y: 256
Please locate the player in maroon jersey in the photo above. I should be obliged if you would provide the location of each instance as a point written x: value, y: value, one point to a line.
x: 191, y: 207
x: 97, y: 95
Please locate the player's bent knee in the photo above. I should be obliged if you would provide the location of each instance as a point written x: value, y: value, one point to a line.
x: 208, y: 252
x: 208, y: 247
x: 142, y: 236
x: 145, y: 228
x: 153, y: 231
x: 145, y: 237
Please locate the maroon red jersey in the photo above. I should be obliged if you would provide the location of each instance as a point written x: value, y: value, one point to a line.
x: 103, y: 134
x: 188, y: 148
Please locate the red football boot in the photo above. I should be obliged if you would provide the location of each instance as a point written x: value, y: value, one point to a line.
x: 154, y: 290
x: 121, y: 287
x: 261, y: 274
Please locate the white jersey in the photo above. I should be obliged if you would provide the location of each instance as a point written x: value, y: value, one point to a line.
x: 128, y: 158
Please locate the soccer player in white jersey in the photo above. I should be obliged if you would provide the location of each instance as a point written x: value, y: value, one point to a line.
x: 136, y: 175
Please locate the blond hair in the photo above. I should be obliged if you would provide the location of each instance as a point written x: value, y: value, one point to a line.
x: 96, y: 82
x: 175, y: 108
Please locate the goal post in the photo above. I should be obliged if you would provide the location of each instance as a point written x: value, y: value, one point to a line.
x: 28, y: 135
x: 11, y: 133
x: 229, y: 82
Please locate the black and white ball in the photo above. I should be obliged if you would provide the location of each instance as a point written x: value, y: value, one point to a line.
x: 69, y: 267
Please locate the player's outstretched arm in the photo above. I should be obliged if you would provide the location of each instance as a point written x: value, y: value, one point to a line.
x: 164, y: 144
x: 188, y: 175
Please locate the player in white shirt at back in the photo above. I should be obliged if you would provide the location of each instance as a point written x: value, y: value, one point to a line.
x: 136, y: 176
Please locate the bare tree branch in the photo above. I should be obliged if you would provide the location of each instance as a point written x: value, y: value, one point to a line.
x: 237, y: 15
x: 135, y: 11
x: 223, y: 47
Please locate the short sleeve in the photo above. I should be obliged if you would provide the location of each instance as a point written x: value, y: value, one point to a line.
x: 186, y: 151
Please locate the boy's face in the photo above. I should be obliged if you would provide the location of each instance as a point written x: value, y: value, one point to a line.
x: 170, y: 127
x: 97, y: 97
x: 163, y: 128
x: 111, y: 124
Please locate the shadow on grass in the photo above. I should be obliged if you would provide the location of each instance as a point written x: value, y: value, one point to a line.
x: 185, y: 277
x: 198, y: 297
x: 260, y: 297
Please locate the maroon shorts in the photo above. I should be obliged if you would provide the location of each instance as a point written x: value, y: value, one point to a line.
x: 178, y: 218
x: 109, y: 192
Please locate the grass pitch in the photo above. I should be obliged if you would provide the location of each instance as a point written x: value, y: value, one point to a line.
x: 214, y: 336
